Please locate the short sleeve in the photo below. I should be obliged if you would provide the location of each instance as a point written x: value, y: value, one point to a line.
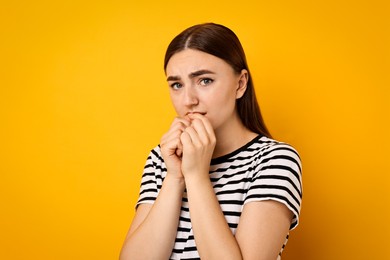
x: 149, y: 182
x: 278, y: 177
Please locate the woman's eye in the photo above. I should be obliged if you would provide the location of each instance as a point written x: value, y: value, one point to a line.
x: 206, y: 81
x: 176, y: 85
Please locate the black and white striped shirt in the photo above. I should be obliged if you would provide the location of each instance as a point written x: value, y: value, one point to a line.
x: 263, y: 169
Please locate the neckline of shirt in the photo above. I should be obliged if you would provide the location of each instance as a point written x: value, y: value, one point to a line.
x: 223, y: 158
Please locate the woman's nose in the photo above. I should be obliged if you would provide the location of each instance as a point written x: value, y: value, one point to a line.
x: 190, y: 96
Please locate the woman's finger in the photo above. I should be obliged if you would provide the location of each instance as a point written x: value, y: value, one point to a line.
x: 193, y: 136
x: 201, y: 131
x: 177, y: 127
x: 206, y: 124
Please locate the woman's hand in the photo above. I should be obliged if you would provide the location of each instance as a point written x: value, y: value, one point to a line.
x: 171, y: 147
x: 198, y: 141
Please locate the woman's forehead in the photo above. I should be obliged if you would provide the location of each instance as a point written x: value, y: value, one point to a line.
x: 190, y: 60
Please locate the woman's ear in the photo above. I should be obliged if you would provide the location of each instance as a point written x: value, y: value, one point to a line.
x: 242, y: 83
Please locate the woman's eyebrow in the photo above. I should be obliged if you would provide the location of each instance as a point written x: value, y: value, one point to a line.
x: 191, y: 75
x: 172, y: 78
x: 200, y: 72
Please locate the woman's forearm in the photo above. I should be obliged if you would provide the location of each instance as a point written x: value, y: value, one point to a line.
x: 154, y: 238
x: 213, y: 237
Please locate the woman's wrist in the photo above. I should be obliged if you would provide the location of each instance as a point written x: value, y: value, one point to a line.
x: 197, y: 178
x: 173, y: 181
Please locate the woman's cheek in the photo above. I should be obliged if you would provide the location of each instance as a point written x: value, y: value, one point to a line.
x: 212, y: 121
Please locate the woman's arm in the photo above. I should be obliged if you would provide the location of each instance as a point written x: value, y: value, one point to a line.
x: 153, y: 231
x: 262, y: 230
x: 260, y: 234
x: 213, y: 237
x: 263, y: 225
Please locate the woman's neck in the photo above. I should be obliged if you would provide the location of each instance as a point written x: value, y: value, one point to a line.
x: 231, y: 138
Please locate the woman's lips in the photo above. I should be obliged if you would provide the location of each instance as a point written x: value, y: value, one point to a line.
x: 192, y: 113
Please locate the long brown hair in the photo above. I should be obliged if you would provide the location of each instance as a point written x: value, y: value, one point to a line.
x: 220, y: 41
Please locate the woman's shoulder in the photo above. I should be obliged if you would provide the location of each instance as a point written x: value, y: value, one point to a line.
x: 269, y: 145
x: 270, y: 149
x: 155, y: 154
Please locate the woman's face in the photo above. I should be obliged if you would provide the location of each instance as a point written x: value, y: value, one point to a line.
x: 205, y: 84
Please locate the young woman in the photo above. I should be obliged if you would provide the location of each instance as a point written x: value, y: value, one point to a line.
x: 217, y: 186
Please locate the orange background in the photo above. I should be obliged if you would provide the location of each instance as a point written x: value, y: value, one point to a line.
x: 83, y: 99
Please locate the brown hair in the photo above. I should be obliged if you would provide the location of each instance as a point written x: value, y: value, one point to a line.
x: 220, y: 41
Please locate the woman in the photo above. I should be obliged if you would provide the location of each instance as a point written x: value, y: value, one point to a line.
x: 217, y: 186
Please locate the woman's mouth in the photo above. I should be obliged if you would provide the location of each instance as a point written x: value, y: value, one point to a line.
x: 196, y: 112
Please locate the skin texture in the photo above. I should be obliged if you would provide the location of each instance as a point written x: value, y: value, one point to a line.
x: 204, y: 90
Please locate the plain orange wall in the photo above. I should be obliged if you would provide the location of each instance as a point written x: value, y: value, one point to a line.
x: 83, y: 99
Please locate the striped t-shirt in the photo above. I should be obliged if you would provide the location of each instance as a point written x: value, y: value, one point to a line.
x: 263, y: 169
